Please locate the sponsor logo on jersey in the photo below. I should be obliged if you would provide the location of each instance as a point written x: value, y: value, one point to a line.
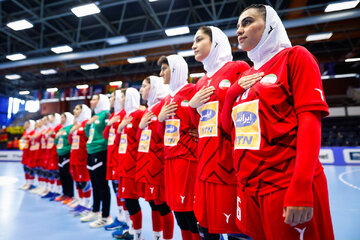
x: 224, y: 84
x: 269, y: 79
x: 111, y: 137
x: 227, y: 217
x: 144, y: 143
x: 91, y: 135
x: 301, y: 231
x: 170, y: 128
x: 172, y: 133
x: 208, y: 119
x: 123, y: 143
x: 244, y: 119
x: 97, y: 122
x: 75, y: 142
x: 182, y: 199
x: 207, y: 114
x: 247, y: 125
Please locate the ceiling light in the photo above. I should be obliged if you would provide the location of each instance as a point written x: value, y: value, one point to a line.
x: 48, y: 71
x: 348, y: 75
x: 352, y: 59
x: 89, y: 66
x: 318, y: 36
x: 16, y: 57
x: 197, y: 75
x: 19, y: 25
x: 136, y: 59
x: 186, y: 53
x: 177, y: 31
x: 12, y: 76
x: 116, y: 83
x: 61, y: 49
x: 51, y: 89
x: 337, y: 6
x: 85, y: 10
x: 84, y: 86
x: 24, y: 92
x: 117, y: 40
x: 153, y: 0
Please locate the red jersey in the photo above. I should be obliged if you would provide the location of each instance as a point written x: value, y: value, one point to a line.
x: 35, y: 152
x: 77, y: 140
x: 150, y: 156
x: 214, y: 146
x: 177, y: 141
x: 43, y: 148
x: 110, y: 134
x: 128, y: 146
x: 51, y: 152
x: 265, y: 119
x: 25, y: 146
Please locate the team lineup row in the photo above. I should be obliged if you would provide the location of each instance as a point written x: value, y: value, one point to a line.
x: 236, y: 153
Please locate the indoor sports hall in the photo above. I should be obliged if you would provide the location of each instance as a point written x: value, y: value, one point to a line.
x: 58, y: 55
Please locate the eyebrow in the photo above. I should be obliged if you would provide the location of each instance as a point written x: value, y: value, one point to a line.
x: 247, y: 18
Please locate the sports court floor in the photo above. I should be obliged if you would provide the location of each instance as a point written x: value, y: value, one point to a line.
x: 26, y: 216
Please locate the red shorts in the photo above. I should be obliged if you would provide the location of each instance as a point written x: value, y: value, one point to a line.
x: 261, y: 217
x: 215, y: 207
x: 180, y: 176
x: 53, y: 164
x: 127, y: 188
x: 151, y: 192
x: 112, y: 173
x: 80, y: 173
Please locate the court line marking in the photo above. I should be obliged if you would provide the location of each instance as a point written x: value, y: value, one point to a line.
x: 346, y: 182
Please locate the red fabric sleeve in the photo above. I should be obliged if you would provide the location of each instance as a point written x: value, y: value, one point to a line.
x: 225, y: 119
x: 117, y: 138
x: 308, y: 143
x: 161, y: 129
x: 70, y: 138
x: 106, y: 132
x: 305, y: 82
x: 194, y: 117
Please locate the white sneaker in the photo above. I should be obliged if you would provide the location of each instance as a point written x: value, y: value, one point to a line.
x: 92, y: 216
x: 34, y: 190
x: 73, y: 203
x: 101, y: 222
x: 24, y: 187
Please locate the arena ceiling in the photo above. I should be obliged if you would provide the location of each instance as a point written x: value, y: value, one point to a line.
x: 143, y: 23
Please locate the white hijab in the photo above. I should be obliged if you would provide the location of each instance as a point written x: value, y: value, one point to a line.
x: 31, y: 126
x: 103, y: 104
x: 158, y: 90
x: 273, y: 40
x: 132, y: 100
x: 57, y: 120
x: 85, y: 114
x: 39, y: 129
x: 220, y: 52
x: 117, y: 105
x: 179, y: 72
x: 69, y: 119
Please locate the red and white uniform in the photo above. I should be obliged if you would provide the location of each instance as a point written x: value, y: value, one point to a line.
x: 112, y: 165
x: 265, y: 136
x: 150, y: 160
x: 51, y: 153
x: 215, y: 199
x: 43, y: 148
x: 25, y: 146
x: 180, y: 152
x: 78, y: 154
x: 34, y: 160
x: 128, y: 146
